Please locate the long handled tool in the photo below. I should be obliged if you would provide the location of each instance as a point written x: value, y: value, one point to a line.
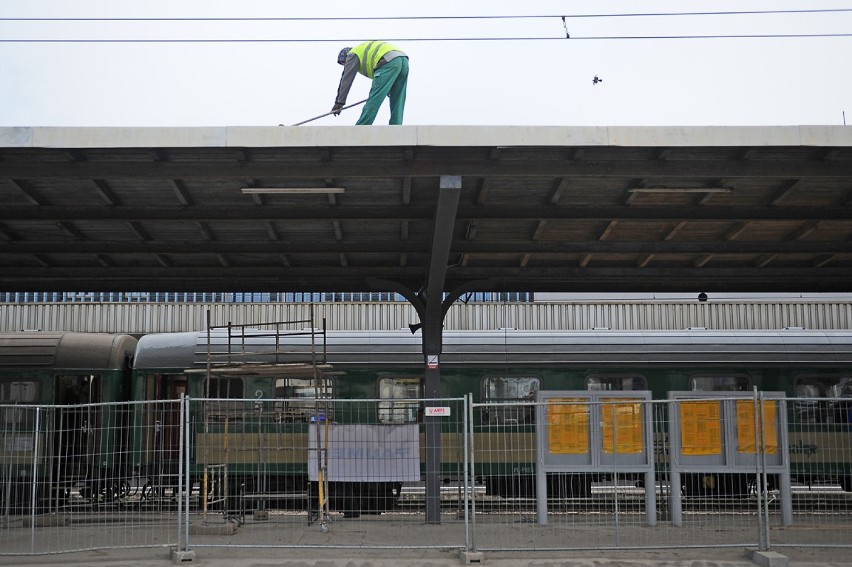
x: 327, y: 113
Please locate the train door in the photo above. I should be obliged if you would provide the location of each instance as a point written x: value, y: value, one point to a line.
x: 162, y: 425
x: 18, y: 440
x: 75, y: 424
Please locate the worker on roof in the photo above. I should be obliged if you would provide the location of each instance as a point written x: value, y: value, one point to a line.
x: 387, y: 66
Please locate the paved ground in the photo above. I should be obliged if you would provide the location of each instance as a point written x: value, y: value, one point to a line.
x: 371, y: 541
x: 728, y: 557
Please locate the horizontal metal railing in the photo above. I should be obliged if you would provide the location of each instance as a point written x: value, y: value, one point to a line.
x: 143, y: 318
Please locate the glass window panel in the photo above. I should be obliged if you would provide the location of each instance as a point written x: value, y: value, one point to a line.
x: 616, y: 382
x: 832, y: 409
x: 501, y: 389
x: 300, y: 396
x: 17, y: 391
x: 720, y: 383
x: 400, y: 389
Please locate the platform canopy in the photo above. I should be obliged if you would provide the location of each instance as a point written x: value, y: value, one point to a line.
x: 510, y: 208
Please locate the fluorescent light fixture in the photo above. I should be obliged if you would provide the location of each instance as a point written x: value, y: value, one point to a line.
x: 680, y: 190
x: 290, y: 190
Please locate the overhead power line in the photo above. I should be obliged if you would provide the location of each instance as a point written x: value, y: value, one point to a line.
x: 378, y: 18
x: 413, y: 39
x: 564, y: 18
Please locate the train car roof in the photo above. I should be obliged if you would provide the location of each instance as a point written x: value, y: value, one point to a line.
x: 66, y: 350
x: 504, y: 346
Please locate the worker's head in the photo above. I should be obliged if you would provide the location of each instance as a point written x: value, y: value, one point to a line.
x: 341, y: 57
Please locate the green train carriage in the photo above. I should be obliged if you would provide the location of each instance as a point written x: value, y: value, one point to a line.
x: 57, y: 434
x: 386, y: 370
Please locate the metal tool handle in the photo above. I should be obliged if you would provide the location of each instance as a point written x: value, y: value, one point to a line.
x: 327, y: 113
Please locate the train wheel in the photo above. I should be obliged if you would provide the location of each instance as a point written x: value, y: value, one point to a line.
x: 148, y: 491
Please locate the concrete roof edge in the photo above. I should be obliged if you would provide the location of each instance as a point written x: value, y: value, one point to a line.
x: 448, y: 136
x: 16, y: 137
x: 731, y: 136
x: 116, y: 137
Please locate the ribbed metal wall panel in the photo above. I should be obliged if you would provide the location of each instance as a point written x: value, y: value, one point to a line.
x: 141, y: 318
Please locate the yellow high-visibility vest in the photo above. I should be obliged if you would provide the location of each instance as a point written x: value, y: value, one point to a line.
x: 370, y: 53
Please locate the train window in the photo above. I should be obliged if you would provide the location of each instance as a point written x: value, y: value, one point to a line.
x: 501, y: 389
x: 616, y: 382
x: 227, y: 389
x: 231, y: 388
x: 18, y: 392
x: 300, y: 398
x: 834, y: 409
x: 397, y: 389
x: 75, y: 389
x: 725, y: 383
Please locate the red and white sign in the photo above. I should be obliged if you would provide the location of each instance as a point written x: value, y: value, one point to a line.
x: 438, y: 411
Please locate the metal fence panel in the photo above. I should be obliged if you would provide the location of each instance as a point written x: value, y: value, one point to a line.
x: 820, y: 431
x: 285, y: 473
x: 334, y: 473
x: 718, y: 506
x: 590, y: 506
x: 74, y: 479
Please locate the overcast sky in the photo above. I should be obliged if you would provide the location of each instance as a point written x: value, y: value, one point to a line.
x: 646, y: 82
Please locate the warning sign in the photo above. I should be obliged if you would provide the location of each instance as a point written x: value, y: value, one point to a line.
x: 438, y: 411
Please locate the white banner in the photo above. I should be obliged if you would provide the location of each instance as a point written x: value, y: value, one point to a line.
x: 367, y: 453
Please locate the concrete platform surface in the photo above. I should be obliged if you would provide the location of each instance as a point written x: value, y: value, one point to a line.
x: 265, y: 557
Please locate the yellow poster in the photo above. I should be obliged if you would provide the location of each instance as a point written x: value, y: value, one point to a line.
x: 701, y: 428
x: 746, y: 422
x: 622, y: 425
x: 568, y: 426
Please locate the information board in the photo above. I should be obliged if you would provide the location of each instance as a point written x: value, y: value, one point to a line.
x: 701, y: 428
x: 747, y: 437
x: 568, y: 426
x: 728, y: 433
x: 601, y: 432
x: 621, y: 425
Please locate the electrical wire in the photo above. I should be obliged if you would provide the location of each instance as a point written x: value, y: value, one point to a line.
x: 414, y: 18
x: 435, y: 39
x: 564, y: 19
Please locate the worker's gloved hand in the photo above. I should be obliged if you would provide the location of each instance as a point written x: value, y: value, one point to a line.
x: 338, y: 106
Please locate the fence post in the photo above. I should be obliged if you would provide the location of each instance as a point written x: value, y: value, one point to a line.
x: 182, y: 552
x: 182, y: 445
x: 7, y: 507
x: 676, y: 502
x: 466, y: 484
x: 784, y: 477
x: 540, y: 475
x: 34, y: 479
x: 758, y: 477
x: 187, y: 451
x: 472, y: 425
x: 763, y: 470
x: 613, y: 410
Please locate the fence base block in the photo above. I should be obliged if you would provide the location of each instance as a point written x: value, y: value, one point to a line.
x: 768, y: 558
x: 471, y: 557
x: 180, y: 557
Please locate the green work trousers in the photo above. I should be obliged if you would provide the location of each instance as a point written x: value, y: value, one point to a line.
x: 391, y: 79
